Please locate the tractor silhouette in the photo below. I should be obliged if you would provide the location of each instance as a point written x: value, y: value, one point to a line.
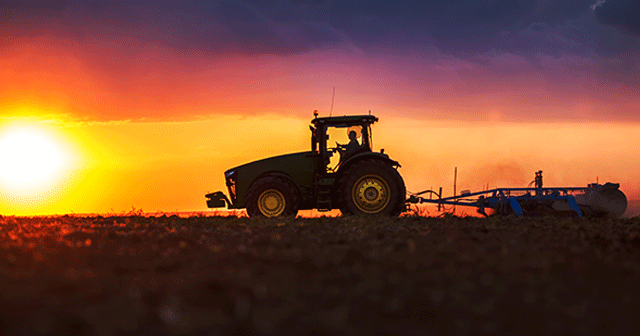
x: 360, y: 181
x: 363, y: 182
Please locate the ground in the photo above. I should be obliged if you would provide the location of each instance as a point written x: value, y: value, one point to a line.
x: 329, y: 276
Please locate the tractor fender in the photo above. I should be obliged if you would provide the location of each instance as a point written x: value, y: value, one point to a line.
x: 365, y: 156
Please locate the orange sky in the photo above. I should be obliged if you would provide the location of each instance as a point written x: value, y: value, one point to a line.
x: 169, y: 166
x: 152, y: 82
x: 157, y: 139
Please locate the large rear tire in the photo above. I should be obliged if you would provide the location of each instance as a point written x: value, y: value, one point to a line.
x: 372, y: 187
x: 271, y: 197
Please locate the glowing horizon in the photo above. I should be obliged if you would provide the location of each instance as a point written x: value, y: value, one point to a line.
x: 169, y: 166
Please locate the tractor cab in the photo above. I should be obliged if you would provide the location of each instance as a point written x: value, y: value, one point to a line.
x: 336, y: 139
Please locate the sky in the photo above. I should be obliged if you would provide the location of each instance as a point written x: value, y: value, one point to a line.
x: 150, y: 101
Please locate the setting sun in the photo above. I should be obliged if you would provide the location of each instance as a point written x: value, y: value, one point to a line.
x: 32, y: 160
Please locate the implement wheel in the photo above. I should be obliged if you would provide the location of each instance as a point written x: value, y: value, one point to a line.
x: 372, y: 187
x: 271, y: 197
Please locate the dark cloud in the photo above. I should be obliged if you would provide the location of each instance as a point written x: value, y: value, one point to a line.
x: 34, y: 4
x: 456, y: 25
x: 292, y: 26
x: 296, y: 26
x: 556, y: 43
x: 624, y: 14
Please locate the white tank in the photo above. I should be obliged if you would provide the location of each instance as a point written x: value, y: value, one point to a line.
x: 603, y: 200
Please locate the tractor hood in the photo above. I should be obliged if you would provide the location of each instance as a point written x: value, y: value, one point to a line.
x: 274, y: 162
x: 298, y: 168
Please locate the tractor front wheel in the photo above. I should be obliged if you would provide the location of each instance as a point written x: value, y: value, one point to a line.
x: 271, y: 197
x: 372, y: 187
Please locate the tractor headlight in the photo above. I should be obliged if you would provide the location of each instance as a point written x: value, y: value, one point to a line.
x: 229, y: 173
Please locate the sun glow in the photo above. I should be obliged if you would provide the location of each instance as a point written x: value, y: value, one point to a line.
x: 32, y: 162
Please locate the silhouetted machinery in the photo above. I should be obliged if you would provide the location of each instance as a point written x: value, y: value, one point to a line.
x: 362, y: 181
x: 368, y: 182
x: 595, y: 200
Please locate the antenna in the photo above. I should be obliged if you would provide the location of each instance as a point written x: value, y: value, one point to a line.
x: 332, y: 98
x: 455, y: 178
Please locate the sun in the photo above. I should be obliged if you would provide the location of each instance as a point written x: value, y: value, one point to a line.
x: 32, y: 160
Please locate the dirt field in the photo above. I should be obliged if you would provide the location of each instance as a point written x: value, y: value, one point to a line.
x: 344, y: 276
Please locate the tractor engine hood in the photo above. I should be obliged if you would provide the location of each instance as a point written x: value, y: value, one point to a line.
x: 275, y: 161
x: 298, y: 168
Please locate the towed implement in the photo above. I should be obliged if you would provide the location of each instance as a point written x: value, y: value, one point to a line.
x: 351, y: 177
x: 595, y: 200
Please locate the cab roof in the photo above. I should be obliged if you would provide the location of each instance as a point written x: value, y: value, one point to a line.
x: 345, y: 120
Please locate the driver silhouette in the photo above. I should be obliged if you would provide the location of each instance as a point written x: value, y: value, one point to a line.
x: 351, y: 147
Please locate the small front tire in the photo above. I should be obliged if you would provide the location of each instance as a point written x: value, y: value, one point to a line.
x: 271, y: 197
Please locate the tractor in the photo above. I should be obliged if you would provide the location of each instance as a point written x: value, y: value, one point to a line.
x: 350, y: 177
x: 355, y: 179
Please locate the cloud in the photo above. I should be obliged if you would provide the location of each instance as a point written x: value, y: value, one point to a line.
x: 161, y: 59
x: 220, y: 27
x: 287, y: 27
x: 622, y: 14
x: 284, y: 27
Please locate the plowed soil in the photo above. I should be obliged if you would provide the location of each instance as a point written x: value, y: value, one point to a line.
x: 138, y: 275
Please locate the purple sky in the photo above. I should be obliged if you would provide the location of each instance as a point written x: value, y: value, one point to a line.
x: 576, y: 60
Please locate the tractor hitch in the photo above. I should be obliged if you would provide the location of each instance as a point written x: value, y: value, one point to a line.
x: 218, y: 200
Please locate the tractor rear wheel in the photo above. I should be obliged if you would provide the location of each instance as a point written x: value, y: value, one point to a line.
x: 271, y: 197
x: 372, y: 187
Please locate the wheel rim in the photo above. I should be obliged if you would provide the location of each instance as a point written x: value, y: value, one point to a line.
x: 271, y: 203
x: 371, y: 194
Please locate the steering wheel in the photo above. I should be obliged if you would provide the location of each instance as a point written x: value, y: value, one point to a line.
x: 338, y: 149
